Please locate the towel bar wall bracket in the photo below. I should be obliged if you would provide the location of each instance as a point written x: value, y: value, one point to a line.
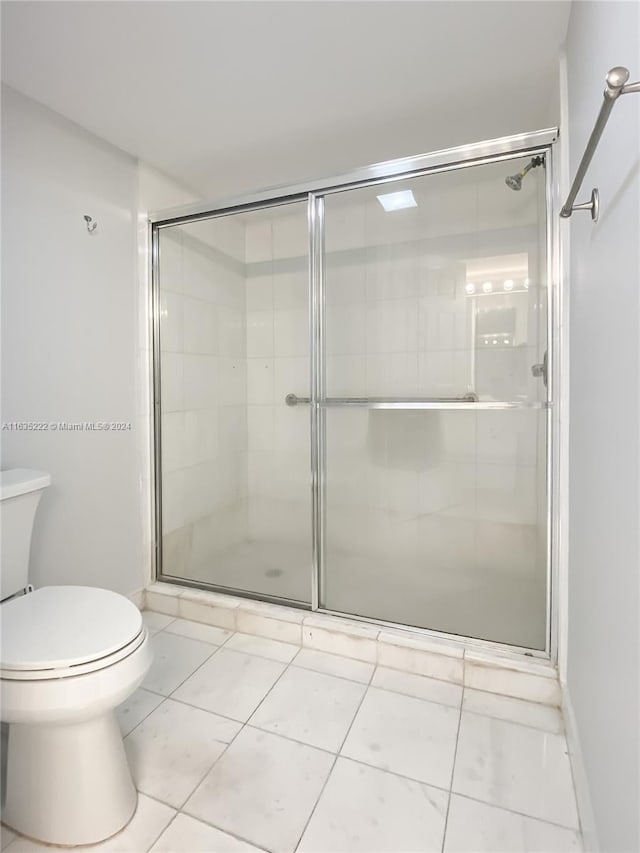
x: 616, y: 85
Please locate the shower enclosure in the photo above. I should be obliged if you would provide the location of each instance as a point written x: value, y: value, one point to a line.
x: 353, y: 393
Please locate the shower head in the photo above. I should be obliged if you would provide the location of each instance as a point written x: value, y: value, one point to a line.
x: 514, y: 182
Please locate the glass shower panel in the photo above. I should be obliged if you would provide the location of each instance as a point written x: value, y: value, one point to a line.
x: 437, y: 517
x: 234, y: 341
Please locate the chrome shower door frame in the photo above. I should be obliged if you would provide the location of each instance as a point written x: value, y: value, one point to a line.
x: 314, y: 193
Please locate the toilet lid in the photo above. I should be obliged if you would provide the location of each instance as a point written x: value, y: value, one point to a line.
x: 61, y: 626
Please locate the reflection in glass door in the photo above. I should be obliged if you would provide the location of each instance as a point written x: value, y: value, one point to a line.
x: 434, y: 418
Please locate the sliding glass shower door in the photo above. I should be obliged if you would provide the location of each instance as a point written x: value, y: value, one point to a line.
x: 233, y: 342
x: 351, y: 396
x: 433, y: 416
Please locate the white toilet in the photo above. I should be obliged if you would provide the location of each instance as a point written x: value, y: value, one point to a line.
x: 69, y: 656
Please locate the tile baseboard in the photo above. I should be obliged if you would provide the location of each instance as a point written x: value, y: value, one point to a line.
x: 138, y: 598
x: 402, y: 649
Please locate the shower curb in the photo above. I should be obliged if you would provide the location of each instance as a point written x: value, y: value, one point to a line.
x: 501, y: 672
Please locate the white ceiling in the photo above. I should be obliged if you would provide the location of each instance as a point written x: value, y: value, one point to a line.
x: 230, y: 96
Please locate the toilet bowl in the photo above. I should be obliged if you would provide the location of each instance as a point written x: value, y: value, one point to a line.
x: 69, y: 656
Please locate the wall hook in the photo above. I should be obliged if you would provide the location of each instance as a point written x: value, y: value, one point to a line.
x: 91, y: 223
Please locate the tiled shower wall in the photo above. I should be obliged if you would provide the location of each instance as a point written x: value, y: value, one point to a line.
x: 277, y: 287
x: 399, y: 323
x: 234, y: 342
x: 204, y: 388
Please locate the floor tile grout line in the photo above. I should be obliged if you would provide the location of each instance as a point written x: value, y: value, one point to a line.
x: 337, y: 756
x: 181, y: 811
x: 199, y: 708
x: 160, y: 834
x: 394, y: 773
x: 380, y: 770
x: 315, y: 805
x: 323, y: 749
x: 368, y: 684
x: 230, y: 832
x: 344, y: 678
x: 163, y: 699
x: 243, y: 725
x: 516, y: 722
x: 519, y: 814
x: 197, y: 639
x: 574, y: 786
x: 333, y: 674
x: 453, y: 770
x: 264, y: 698
x: 206, y: 773
x: 193, y: 672
x: 417, y: 698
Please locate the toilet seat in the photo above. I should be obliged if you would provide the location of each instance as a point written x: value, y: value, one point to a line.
x: 76, y: 669
x: 58, y: 632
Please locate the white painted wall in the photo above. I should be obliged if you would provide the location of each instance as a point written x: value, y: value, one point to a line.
x: 603, y: 649
x: 69, y: 344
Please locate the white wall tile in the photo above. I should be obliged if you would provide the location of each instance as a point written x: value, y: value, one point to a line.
x: 291, y: 232
x: 198, y: 275
x: 231, y: 332
x: 346, y: 329
x: 260, y: 379
x: 232, y: 381
x: 292, y: 376
x: 291, y: 332
x: 171, y: 321
x: 260, y: 422
x: 173, y: 441
x: 291, y: 289
x: 171, y: 261
x: 200, y: 381
x: 172, y: 500
x: 172, y: 378
x: 200, y: 436
x: 259, y: 241
x: 201, y: 490
x: 259, y: 292
x: 392, y: 326
x: 260, y: 334
x: 200, y: 327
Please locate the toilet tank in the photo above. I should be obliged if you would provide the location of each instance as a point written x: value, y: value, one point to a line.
x: 20, y: 493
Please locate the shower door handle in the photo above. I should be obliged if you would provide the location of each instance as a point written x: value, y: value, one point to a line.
x: 294, y: 400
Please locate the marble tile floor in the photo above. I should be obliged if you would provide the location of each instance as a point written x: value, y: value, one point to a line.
x: 239, y: 743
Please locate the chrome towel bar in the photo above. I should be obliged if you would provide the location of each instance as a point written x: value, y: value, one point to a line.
x: 294, y: 400
x: 466, y: 401
x: 616, y: 85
